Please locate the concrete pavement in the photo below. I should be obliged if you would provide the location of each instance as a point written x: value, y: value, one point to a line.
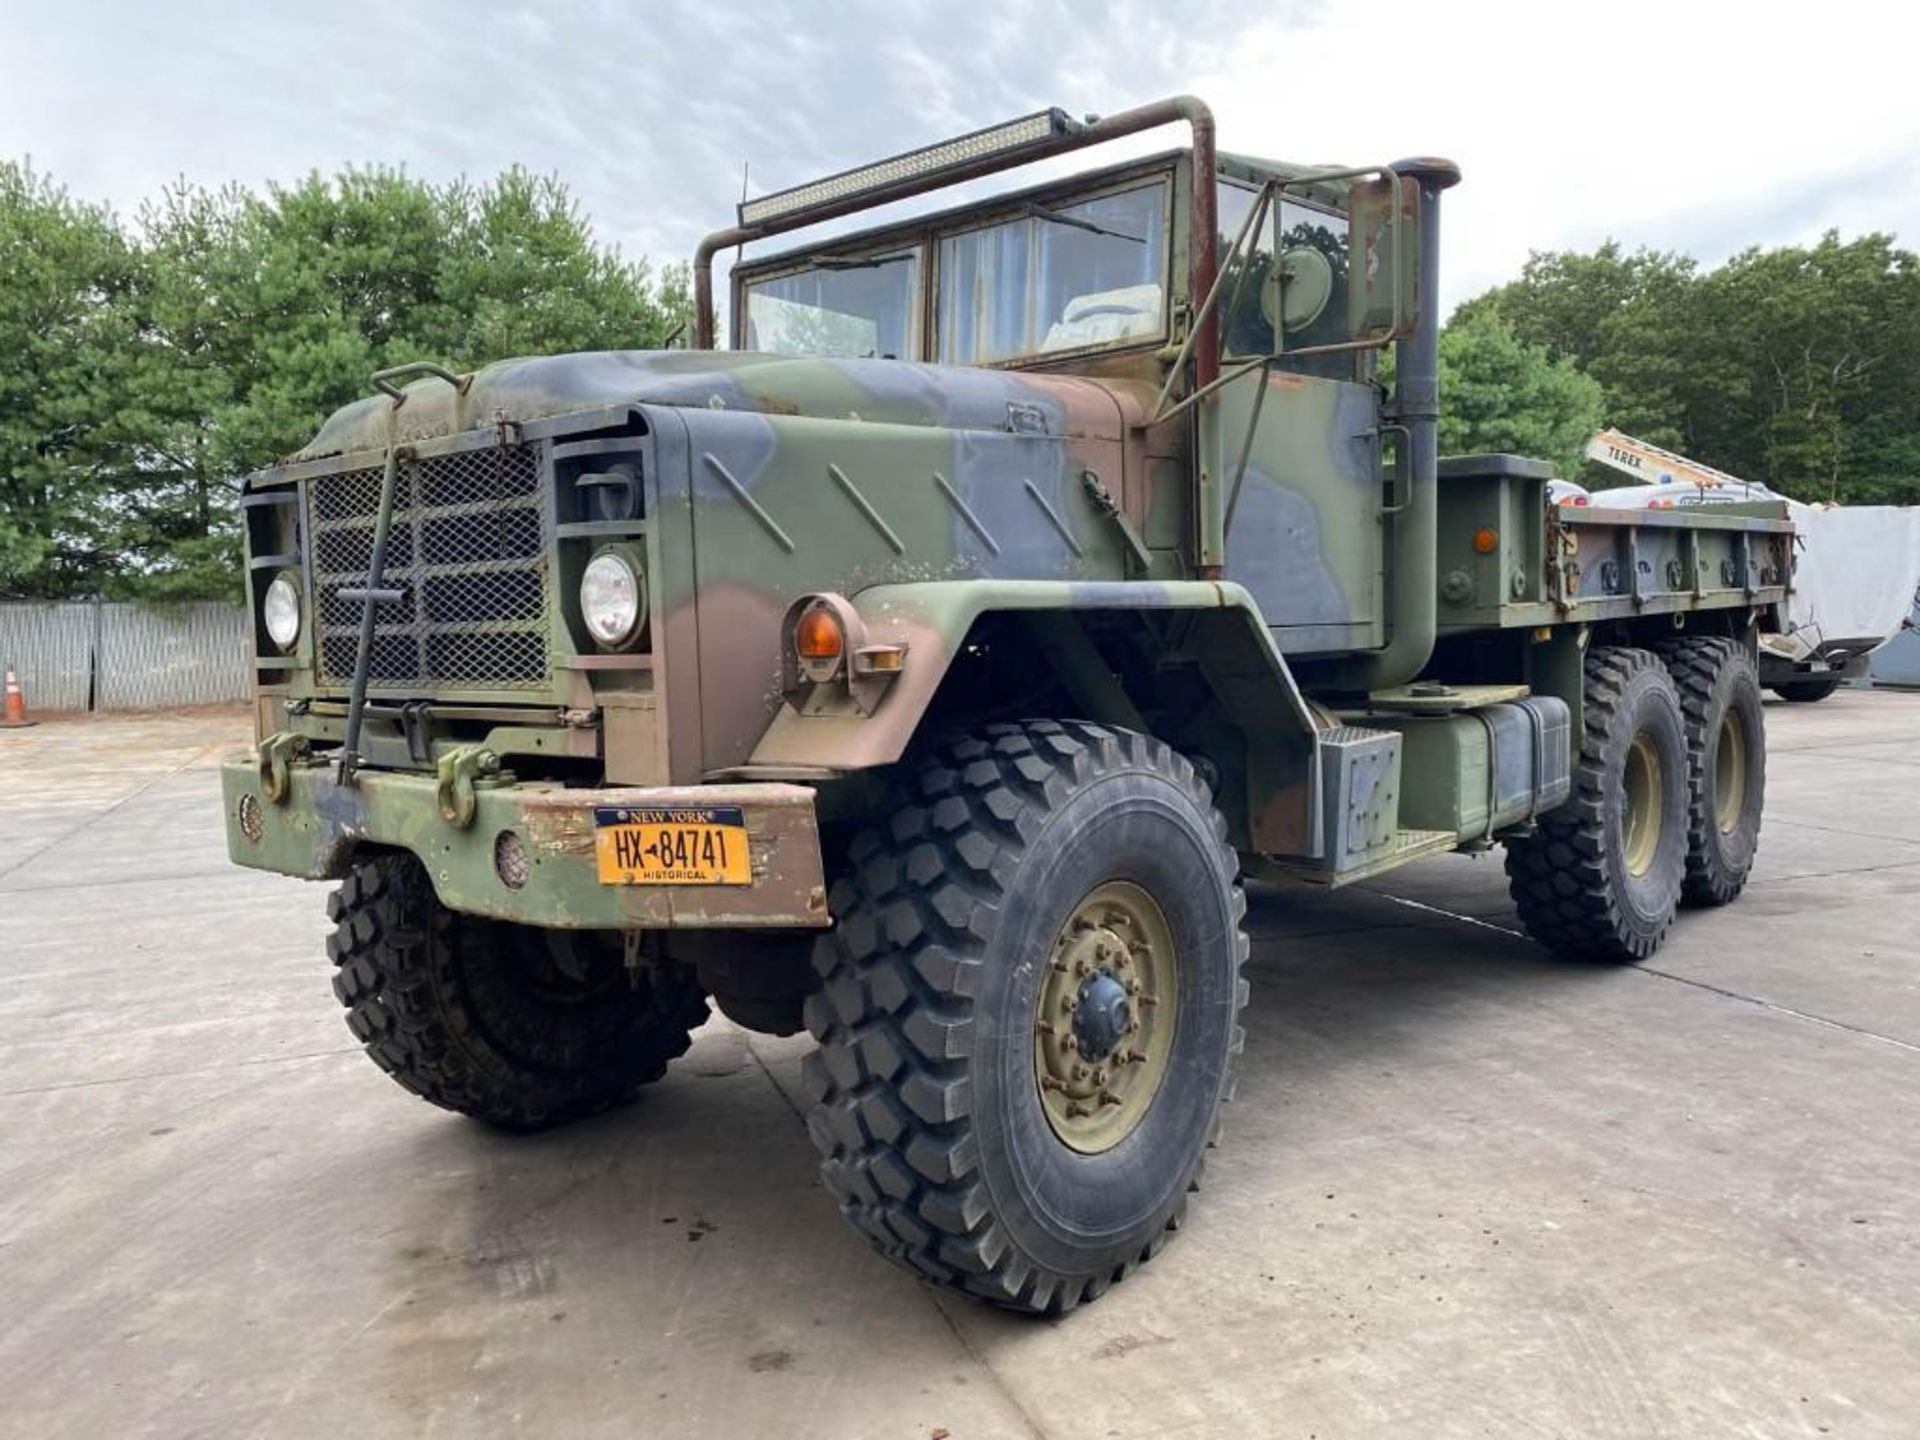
x: 1465, y: 1190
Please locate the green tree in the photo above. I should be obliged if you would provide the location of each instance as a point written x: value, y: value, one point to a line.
x: 521, y: 275
x: 1499, y: 393
x: 1831, y: 341
x: 66, y: 332
x: 146, y: 370
x: 177, y: 533
x: 1798, y: 365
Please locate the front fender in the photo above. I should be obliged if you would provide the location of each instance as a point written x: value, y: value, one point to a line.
x: 1232, y: 647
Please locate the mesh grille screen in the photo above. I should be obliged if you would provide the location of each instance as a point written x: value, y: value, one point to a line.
x: 467, y: 550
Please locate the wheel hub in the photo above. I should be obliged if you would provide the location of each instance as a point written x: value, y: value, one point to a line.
x: 1101, y: 1015
x: 1644, y: 801
x: 1730, y: 772
x: 1104, y: 1017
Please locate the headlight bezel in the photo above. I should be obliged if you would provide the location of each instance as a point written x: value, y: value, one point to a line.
x: 284, y: 585
x: 632, y: 577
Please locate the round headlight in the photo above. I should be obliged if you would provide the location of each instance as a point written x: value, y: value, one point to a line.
x: 611, y: 599
x: 281, y: 612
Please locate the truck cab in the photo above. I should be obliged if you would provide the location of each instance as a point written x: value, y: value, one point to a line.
x: 1093, y: 277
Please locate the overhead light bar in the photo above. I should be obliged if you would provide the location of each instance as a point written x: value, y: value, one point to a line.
x: 995, y: 141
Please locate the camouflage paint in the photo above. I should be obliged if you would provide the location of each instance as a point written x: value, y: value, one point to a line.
x: 932, y: 619
x: 1306, y: 535
x: 927, y: 496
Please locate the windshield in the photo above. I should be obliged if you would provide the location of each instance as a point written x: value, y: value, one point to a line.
x: 863, y: 306
x: 1061, y: 278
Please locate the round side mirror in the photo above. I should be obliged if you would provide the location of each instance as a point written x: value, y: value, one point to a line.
x: 1297, y: 288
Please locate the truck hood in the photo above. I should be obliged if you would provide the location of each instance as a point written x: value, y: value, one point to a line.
x: 897, y: 392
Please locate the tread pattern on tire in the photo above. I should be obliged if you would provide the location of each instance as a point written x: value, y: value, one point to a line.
x: 891, y: 1107
x: 390, y: 937
x: 1558, y: 876
x: 1695, y: 663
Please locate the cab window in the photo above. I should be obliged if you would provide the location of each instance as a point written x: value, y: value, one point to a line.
x: 1087, y: 274
x: 1247, y: 329
x: 857, y: 306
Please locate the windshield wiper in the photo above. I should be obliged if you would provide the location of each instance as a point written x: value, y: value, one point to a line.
x: 1058, y: 217
x: 850, y: 262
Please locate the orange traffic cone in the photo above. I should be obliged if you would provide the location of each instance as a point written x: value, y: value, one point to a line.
x: 16, y: 704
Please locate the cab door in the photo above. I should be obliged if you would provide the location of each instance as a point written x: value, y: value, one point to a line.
x: 1303, y: 520
x: 1294, y: 448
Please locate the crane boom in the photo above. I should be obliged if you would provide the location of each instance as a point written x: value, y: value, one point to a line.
x: 1650, y: 465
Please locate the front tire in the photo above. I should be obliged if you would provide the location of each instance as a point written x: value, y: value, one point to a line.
x: 1600, y: 877
x: 1030, y: 885
x: 520, y: 1027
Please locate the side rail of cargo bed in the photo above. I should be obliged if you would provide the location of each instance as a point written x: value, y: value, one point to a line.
x: 1620, y: 564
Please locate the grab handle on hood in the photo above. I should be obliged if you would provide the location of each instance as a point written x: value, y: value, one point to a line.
x: 383, y: 379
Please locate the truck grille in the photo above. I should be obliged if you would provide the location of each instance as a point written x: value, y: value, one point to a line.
x: 467, y: 549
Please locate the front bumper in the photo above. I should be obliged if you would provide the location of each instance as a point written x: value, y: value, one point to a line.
x: 315, y: 830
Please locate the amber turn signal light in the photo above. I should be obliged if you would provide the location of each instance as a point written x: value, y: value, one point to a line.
x: 818, y: 635
x: 1486, y: 540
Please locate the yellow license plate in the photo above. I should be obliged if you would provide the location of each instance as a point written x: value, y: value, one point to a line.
x: 671, y: 847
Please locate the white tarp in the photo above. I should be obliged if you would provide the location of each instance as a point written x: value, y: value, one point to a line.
x: 1856, y: 571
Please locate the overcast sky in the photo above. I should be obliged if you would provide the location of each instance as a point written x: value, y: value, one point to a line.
x: 1668, y: 123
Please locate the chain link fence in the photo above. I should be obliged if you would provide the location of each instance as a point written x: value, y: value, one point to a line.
x: 99, y: 655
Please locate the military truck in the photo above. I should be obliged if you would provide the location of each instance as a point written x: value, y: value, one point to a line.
x: 931, y: 668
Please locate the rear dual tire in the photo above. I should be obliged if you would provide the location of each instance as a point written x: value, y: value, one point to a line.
x: 1668, y: 789
x: 1719, y: 690
x: 1600, y: 878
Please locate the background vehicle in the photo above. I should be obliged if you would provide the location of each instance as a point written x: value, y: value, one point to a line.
x: 1856, y: 569
x: 936, y: 686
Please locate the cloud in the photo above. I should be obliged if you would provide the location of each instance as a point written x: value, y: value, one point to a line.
x: 1658, y: 123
